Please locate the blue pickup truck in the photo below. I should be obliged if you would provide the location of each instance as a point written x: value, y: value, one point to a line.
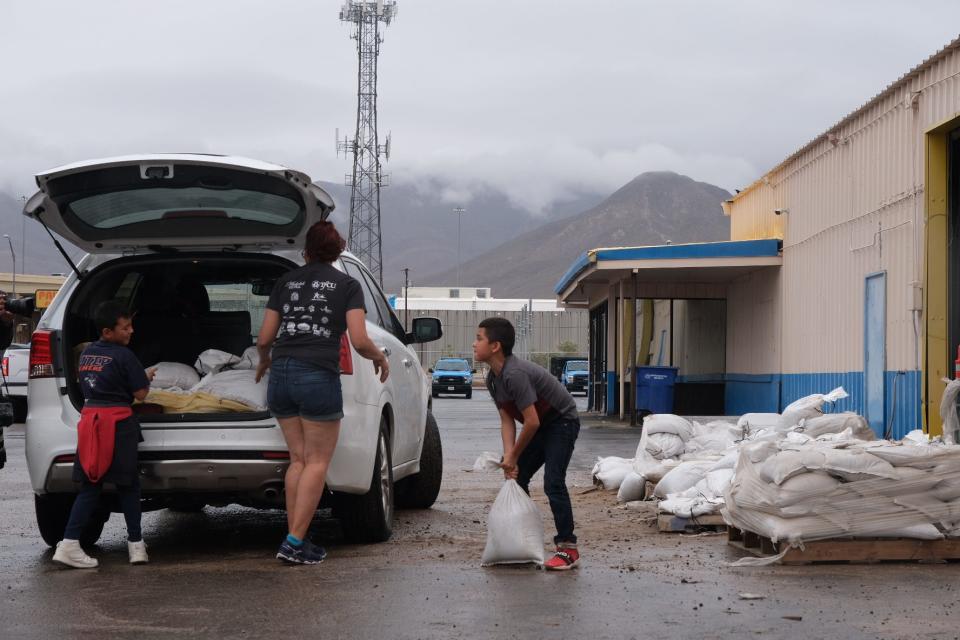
x: 574, y: 376
x: 452, y: 375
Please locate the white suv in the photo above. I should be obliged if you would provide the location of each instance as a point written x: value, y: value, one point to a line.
x: 228, y: 227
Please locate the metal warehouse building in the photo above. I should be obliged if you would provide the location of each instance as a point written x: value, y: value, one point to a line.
x: 843, y: 269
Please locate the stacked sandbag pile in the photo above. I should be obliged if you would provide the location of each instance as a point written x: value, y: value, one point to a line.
x: 835, y: 486
x: 692, y: 464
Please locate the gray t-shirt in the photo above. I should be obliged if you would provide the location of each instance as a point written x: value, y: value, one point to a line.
x: 522, y: 384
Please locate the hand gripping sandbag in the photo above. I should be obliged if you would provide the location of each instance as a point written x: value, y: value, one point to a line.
x: 514, y: 529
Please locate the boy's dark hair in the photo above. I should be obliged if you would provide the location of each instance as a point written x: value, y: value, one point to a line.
x: 108, y: 314
x: 500, y: 330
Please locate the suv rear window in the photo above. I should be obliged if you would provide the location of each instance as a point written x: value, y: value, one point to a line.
x: 121, y: 208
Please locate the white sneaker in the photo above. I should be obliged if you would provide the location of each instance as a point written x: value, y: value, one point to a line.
x: 138, y: 552
x: 69, y: 553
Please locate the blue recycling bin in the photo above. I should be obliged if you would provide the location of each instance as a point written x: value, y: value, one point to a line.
x: 655, y: 389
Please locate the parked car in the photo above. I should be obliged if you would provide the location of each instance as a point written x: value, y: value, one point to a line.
x: 453, y: 375
x: 574, y: 376
x: 233, y: 226
x: 557, y: 363
x: 15, y: 367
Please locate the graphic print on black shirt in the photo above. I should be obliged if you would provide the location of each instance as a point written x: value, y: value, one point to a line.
x: 313, y: 302
x: 110, y: 373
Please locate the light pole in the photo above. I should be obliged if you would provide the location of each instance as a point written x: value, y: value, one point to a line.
x: 459, y: 211
x: 14, y: 256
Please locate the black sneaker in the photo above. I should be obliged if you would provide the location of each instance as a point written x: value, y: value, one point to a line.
x: 307, y: 553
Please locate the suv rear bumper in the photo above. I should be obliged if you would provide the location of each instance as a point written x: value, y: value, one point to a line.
x: 190, y: 476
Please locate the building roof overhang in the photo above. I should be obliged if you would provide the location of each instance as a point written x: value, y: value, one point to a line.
x: 691, y: 271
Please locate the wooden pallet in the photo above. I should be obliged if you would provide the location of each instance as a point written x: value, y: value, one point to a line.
x: 848, y: 550
x: 670, y: 523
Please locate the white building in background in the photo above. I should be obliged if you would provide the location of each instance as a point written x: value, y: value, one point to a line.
x: 543, y: 326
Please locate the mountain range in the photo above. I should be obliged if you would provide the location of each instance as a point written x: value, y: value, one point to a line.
x: 653, y: 208
x: 503, y: 246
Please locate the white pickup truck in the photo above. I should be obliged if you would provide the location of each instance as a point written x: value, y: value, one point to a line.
x: 15, y: 368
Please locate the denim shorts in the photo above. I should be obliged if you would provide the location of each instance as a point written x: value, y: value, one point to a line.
x: 300, y: 389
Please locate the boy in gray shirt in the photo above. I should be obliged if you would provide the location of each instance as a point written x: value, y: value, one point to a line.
x: 526, y: 393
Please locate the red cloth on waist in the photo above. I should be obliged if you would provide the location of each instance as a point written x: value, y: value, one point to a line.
x: 96, y: 434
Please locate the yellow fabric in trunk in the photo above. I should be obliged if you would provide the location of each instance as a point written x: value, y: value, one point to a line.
x: 195, y: 402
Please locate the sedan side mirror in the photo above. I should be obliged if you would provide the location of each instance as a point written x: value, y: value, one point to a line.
x: 425, y: 329
x: 429, y: 370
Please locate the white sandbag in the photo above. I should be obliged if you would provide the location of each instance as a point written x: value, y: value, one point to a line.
x: 239, y: 386
x: 717, y: 482
x: 806, y: 485
x: 668, y: 423
x: 665, y: 445
x: 919, y: 457
x: 727, y: 461
x: 651, y: 468
x: 514, y: 529
x: 611, y: 471
x: 787, y: 464
x: 835, y: 423
x: 249, y: 359
x: 487, y: 461
x: 750, y: 422
x: 631, y: 488
x: 807, y: 407
x: 925, y: 531
x: 174, y: 375
x: 947, y: 490
x: 713, y: 436
x: 856, y: 464
x: 213, y: 360
x: 684, y: 476
x: 689, y: 505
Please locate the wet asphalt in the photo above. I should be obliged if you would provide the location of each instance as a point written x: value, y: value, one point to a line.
x: 212, y: 574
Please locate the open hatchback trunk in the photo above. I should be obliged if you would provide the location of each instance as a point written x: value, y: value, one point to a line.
x: 178, y: 202
x: 192, y: 245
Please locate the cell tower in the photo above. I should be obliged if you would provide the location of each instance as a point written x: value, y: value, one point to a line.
x: 366, y: 180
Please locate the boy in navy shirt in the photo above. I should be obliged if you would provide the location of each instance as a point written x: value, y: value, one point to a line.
x: 111, y: 378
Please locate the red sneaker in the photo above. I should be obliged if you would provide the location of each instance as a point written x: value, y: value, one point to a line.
x: 564, y: 558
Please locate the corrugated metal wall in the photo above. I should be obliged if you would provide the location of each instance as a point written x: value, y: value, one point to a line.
x: 855, y: 201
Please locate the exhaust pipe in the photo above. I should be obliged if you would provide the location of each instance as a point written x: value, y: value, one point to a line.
x: 271, y: 494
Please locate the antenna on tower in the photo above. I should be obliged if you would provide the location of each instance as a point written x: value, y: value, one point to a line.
x: 365, y: 181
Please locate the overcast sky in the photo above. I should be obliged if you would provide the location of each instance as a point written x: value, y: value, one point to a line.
x: 539, y: 99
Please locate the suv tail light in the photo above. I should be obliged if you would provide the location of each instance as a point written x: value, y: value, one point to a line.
x: 6, y: 366
x: 41, y: 355
x: 346, y: 357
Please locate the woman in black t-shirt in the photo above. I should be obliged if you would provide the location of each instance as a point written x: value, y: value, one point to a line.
x: 307, y: 313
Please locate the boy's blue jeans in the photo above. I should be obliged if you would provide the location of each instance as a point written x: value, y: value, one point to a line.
x: 89, y: 499
x: 551, y: 448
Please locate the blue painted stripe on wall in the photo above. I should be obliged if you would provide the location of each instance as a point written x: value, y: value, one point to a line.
x: 745, y: 393
x: 905, y: 415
